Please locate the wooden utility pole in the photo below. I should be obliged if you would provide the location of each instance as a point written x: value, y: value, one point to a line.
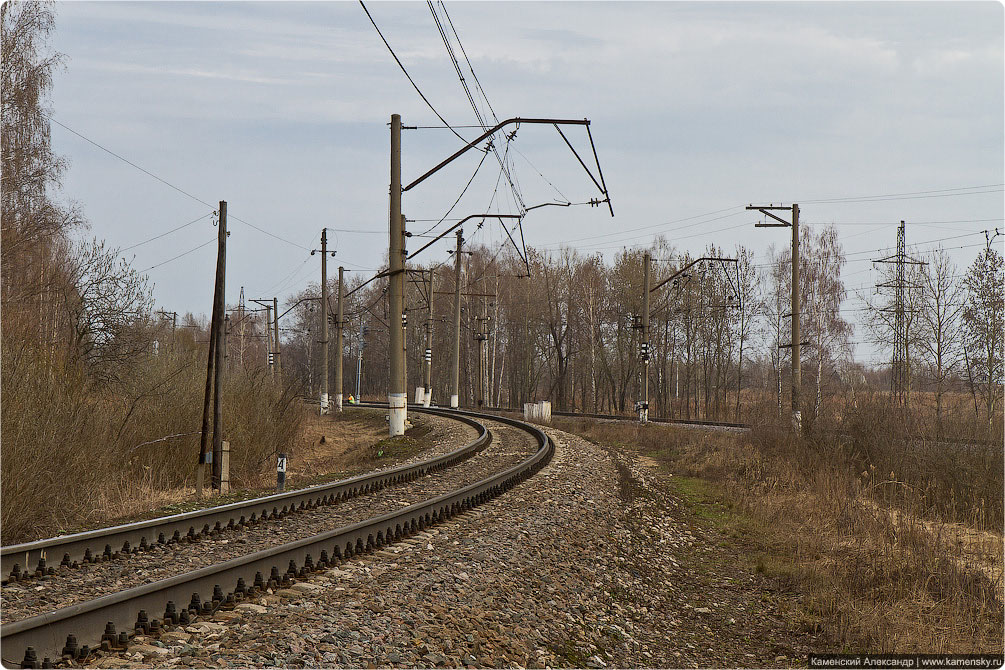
x: 644, y: 345
x: 797, y: 419
x: 218, y: 369
x: 428, y: 376
x: 396, y: 393
x: 278, y: 357
x: 456, y: 363
x: 338, y: 343
x: 205, y: 454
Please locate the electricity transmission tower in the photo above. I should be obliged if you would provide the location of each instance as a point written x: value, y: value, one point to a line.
x: 900, y: 374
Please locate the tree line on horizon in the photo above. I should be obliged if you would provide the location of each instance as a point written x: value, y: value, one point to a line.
x: 568, y: 332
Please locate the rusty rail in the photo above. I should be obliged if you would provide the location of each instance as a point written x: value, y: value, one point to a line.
x: 32, y: 558
x: 105, y: 621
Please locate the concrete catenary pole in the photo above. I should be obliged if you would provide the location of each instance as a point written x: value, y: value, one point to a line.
x: 644, y: 408
x: 359, y: 362
x: 338, y: 343
x: 796, y: 363
x: 324, y: 321
x: 456, y: 363
x: 396, y: 395
x: 427, y: 398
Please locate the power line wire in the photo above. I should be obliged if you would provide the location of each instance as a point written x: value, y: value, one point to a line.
x: 265, y: 232
x: 463, y: 191
x: 894, y: 223
x: 163, y: 181
x: 910, y: 195
x: 127, y: 161
x: 408, y: 76
x: 468, y: 61
x: 186, y: 253
x: 173, y: 230
x: 467, y: 91
x: 282, y: 282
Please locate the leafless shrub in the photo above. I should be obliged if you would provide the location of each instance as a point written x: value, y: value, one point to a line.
x: 73, y: 453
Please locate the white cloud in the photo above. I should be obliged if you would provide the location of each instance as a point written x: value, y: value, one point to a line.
x: 281, y: 108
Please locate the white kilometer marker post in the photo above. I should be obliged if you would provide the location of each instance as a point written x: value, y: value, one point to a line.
x: 280, y: 473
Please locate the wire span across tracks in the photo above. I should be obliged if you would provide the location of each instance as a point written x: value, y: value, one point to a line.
x: 94, y: 622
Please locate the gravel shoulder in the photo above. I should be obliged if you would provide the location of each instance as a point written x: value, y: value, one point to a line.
x: 593, y: 562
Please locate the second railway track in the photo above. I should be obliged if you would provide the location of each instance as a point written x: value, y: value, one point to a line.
x: 623, y: 417
x: 114, y: 592
x: 24, y: 560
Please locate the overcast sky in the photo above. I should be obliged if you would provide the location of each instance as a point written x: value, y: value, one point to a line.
x: 281, y: 109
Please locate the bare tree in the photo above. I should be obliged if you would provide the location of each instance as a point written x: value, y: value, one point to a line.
x: 939, y: 338
x: 748, y: 306
x: 823, y: 291
x: 33, y: 227
x: 984, y: 320
x: 106, y: 302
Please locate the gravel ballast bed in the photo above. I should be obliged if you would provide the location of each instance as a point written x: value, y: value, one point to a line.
x: 498, y: 586
x: 70, y: 586
x: 592, y: 562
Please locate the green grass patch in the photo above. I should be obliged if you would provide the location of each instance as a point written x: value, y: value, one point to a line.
x: 412, y: 442
x: 568, y: 652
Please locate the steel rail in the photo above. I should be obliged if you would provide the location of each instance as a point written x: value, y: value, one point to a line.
x: 622, y: 417
x: 106, y: 543
x: 91, y: 622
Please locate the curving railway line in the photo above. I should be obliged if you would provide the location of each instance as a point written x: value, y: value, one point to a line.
x: 622, y: 417
x: 413, y: 496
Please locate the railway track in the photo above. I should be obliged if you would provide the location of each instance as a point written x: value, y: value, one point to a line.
x: 106, y: 620
x: 33, y: 559
x: 623, y: 417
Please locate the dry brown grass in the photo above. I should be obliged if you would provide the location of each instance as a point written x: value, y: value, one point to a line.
x: 897, y: 548
x: 347, y: 441
x: 74, y: 454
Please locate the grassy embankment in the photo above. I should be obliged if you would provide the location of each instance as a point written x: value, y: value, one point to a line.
x: 897, y: 548
x: 77, y: 456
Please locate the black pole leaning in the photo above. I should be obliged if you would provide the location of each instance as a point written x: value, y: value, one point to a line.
x: 205, y: 456
x: 219, y: 353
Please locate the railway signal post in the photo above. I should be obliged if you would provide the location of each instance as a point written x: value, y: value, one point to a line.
x: 428, y: 373
x: 455, y: 368
x: 338, y: 343
x: 278, y: 359
x: 644, y: 345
